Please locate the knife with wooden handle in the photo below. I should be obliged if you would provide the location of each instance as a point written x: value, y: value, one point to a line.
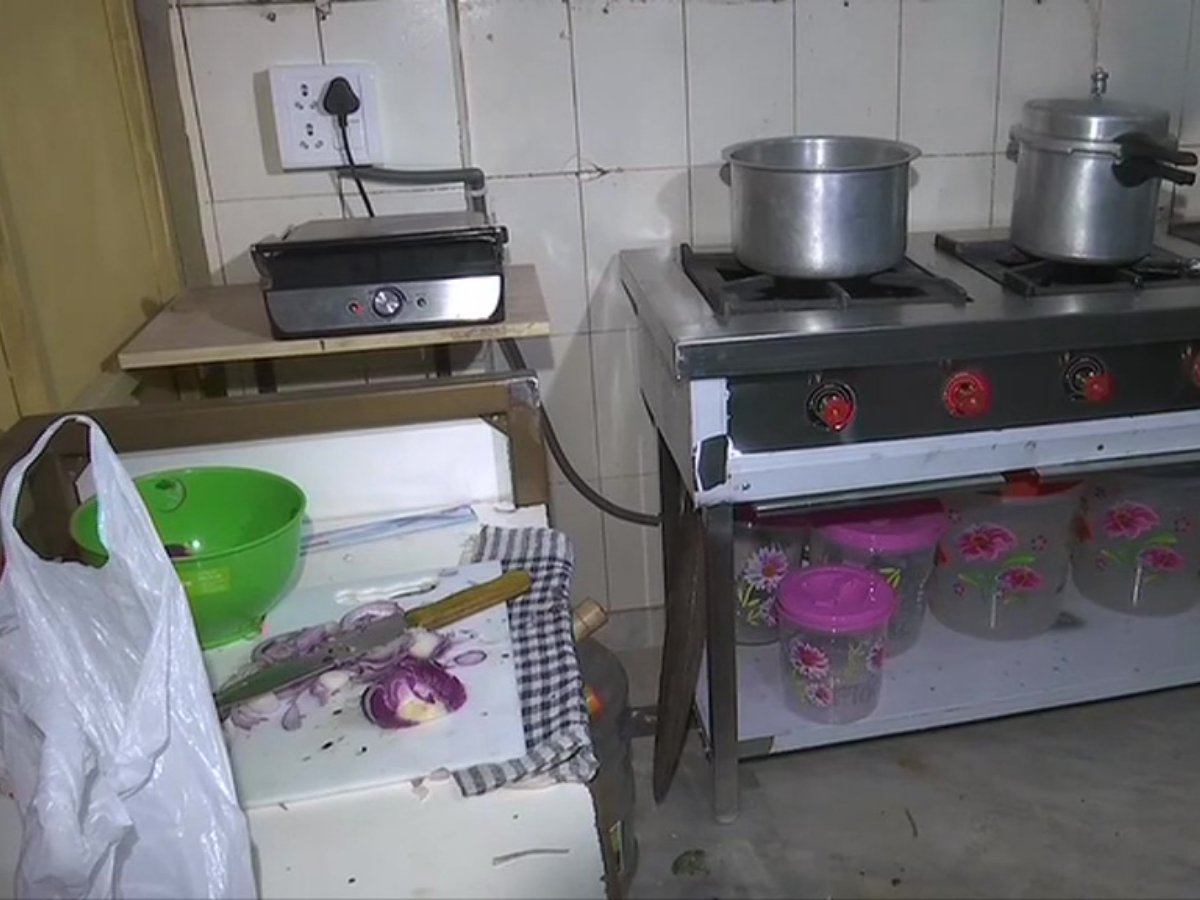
x: 350, y: 645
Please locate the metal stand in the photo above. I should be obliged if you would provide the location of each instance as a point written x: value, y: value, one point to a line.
x: 698, y: 568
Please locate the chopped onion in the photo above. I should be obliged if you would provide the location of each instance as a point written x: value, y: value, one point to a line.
x: 469, y: 658
x: 415, y: 691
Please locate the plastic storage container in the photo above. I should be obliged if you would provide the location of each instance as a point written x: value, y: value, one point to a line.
x: 833, y: 623
x: 1138, y: 547
x: 1003, y: 563
x: 765, y: 549
x: 899, y: 541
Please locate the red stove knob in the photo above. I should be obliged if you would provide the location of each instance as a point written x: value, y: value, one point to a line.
x: 967, y: 394
x: 1097, y: 387
x: 836, y: 412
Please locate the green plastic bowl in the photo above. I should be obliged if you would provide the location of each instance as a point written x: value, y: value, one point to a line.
x: 234, y: 538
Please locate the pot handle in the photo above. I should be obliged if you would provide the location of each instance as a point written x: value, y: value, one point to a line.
x: 724, y: 173
x: 1139, y: 145
x: 1137, y: 171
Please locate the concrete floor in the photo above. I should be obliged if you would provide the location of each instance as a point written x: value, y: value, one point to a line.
x: 1094, y: 801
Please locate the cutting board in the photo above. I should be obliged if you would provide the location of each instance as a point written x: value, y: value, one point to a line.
x: 336, y: 749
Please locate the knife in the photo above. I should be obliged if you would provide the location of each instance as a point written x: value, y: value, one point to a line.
x: 353, y: 644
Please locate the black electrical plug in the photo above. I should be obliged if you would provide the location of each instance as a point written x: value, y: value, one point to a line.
x: 340, y: 101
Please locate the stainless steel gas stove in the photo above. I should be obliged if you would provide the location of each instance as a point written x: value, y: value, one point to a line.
x: 968, y: 361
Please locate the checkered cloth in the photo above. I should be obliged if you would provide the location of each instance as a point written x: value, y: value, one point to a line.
x: 558, y: 743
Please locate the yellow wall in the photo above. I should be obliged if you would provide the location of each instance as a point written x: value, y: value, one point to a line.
x: 85, y: 250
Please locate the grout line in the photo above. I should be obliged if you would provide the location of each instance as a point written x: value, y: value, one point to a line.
x: 996, y: 115
x: 795, y: 66
x: 584, y: 254
x: 899, y: 67
x: 194, y: 97
x: 459, y: 69
x: 687, y: 123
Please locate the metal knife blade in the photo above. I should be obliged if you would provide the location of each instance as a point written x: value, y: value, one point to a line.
x: 349, y: 646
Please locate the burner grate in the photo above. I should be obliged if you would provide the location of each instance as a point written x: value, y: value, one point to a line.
x: 732, y: 289
x: 1032, y: 276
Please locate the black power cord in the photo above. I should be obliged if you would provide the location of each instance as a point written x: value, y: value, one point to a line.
x: 341, y: 102
x: 515, y: 360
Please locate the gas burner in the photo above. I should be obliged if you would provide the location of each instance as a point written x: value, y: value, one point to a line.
x: 732, y: 289
x: 1031, y: 276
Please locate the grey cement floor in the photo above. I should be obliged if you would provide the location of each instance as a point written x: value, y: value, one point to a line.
x: 1094, y: 801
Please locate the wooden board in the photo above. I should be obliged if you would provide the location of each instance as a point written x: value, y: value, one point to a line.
x: 229, y: 324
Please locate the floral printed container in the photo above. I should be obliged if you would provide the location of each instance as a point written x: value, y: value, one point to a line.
x: 833, y: 625
x: 899, y: 541
x: 765, y: 549
x: 1138, y: 547
x: 1003, y: 563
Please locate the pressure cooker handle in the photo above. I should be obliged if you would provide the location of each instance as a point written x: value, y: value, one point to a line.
x: 1137, y: 171
x: 1139, y: 145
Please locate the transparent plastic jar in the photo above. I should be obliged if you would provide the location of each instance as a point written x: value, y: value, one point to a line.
x: 833, y: 625
x: 765, y: 550
x: 1138, y: 541
x: 899, y: 541
x: 1004, y: 560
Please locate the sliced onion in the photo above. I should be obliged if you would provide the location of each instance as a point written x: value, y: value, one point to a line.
x: 469, y: 658
x: 293, y: 718
x: 368, y: 613
x: 414, y: 692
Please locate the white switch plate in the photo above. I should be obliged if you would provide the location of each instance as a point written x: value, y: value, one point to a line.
x: 308, y: 137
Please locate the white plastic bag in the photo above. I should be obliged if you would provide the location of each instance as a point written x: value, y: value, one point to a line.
x: 107, y: 727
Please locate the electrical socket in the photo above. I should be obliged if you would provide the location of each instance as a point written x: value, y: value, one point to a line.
x: 308, y: 137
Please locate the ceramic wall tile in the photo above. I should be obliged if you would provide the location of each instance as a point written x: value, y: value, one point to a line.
x: 1002, y: 191
x: 948, y: 70
x: 241, y: 223
x: 847, y: 66
x: 1047, y: 50
x: 564, y: 367
x: 409, y: 43
x: 739, y: 62
x: 583, y: 524
x: 951, y: 192
x: 1144, y: 47
x: 1189, y: 131
x: 629, y: 74
x: 625, y: 434
x: 229, y: 51
x: 520, y: 101
x: 711, y: 224
x: 634, y: 552
x: 623, y: 210
x: 545, y: 228
x: 392, y: 201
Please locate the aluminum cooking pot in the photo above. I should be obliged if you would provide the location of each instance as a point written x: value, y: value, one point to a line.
x: 1088, y: 178
x: 819, y: 207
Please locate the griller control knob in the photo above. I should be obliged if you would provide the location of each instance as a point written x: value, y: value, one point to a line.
x: 967, y: 394
x: 387, y: 302
x: 832, y: 406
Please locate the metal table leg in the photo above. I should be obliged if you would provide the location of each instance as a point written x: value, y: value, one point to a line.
x: 722, y: 660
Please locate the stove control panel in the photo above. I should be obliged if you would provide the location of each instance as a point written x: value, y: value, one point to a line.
x: 876, y: 402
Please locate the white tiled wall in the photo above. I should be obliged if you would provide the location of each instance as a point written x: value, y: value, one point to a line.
x: 600, y: 124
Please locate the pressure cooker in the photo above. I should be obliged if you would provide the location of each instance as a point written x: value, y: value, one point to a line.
x: 1089, y: 171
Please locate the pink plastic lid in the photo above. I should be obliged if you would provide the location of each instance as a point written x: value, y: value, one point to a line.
x: 896, y: 528
x: 836, y: 599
